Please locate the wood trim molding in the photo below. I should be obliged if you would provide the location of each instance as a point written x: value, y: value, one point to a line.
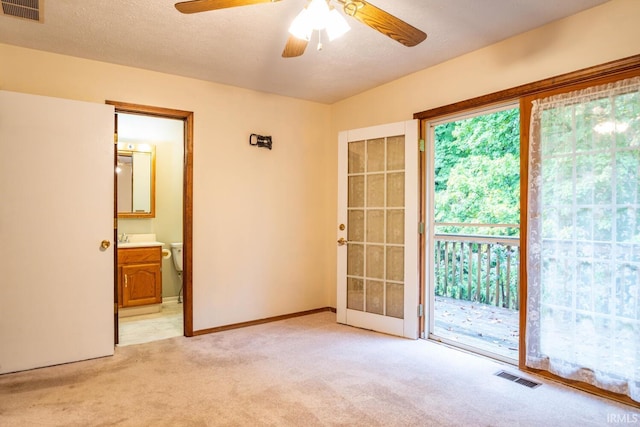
x: 524, y: 205
x: 187, y: 205
x: 581, y: 76
x: 116, y: 318
x: 588, y: 388
x: 261, y: 321
x: 187, y: 226
x: 125, y: 107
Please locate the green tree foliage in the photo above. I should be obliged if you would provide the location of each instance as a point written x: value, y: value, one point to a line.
x: 477, y: 172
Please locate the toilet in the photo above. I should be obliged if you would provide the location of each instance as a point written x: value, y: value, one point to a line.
x: 176, y: 255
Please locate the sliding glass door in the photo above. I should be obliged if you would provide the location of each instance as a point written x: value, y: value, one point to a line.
x: 473, y: 246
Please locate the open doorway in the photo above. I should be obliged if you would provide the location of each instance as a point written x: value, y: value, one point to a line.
x: 153, y: 228
x: 149, y: 203
x: 473, y: 248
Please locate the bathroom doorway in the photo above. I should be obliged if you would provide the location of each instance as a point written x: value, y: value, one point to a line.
x: 152, y: 289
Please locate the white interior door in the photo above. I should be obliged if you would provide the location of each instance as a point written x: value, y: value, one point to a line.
x: 56, y: 193
x: 378, y: 228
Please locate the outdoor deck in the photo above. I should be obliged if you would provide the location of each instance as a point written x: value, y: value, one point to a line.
x: 487, y: 327
x: 477, y: 291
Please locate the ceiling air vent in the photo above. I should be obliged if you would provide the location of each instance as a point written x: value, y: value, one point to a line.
x: 26, y: 9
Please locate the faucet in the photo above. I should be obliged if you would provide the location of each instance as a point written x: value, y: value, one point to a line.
x: 123, y: 238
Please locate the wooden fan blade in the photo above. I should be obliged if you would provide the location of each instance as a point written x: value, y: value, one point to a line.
x: 384, y: 22
x: 294, y: 47
x: 195, y: 6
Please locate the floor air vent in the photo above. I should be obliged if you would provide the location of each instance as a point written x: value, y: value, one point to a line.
x: 517, y: 379
x: 25, y: 9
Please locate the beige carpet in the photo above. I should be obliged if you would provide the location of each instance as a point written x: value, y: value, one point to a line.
x: 306, y: 371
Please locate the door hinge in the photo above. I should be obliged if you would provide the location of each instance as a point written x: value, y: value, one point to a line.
x: 421, y: 227
x: 422, y: 145
x: 420, y: 310
x: 115, y: 138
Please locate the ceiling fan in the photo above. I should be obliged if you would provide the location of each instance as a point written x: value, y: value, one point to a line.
x: 305, y: 23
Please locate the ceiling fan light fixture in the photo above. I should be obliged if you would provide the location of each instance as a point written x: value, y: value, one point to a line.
x: 318, y: 16
x: 301, y: 26
x: 336, y: 26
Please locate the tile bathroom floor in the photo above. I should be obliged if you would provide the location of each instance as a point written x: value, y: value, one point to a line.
x: 152, y: 327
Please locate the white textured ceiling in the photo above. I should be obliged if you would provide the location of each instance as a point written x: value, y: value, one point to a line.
x: 242, y: 46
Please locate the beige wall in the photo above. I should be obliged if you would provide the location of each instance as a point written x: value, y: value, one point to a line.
x: 598, y: 35
x: 258, y: 214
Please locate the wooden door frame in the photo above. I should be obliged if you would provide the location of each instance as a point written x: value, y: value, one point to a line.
x: 116, y: 278
x: 187, y: 197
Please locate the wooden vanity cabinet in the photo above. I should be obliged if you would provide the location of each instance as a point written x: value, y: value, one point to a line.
x: 139, y: 276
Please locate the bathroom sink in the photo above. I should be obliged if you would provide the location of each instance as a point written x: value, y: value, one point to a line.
x: 139, y: 241
x: 138, y: 244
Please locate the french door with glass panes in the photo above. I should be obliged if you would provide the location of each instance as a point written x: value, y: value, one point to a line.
x: 377, y: 230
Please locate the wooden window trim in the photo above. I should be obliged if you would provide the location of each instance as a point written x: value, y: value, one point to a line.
x: 585, y: 76
x: 576, y: 80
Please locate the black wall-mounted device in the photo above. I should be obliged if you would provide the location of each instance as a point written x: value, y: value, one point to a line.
x: 260, y: 141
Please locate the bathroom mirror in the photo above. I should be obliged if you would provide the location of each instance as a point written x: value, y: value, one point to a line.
x: 136, y: 180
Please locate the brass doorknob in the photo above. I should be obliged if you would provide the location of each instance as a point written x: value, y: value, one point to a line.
x: 342, y: 241
x: 105, y: 244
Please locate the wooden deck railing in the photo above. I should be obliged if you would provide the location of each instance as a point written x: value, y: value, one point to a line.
x: 478, y: 268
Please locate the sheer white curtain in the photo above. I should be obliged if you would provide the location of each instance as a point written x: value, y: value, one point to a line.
x: 583, y: 274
